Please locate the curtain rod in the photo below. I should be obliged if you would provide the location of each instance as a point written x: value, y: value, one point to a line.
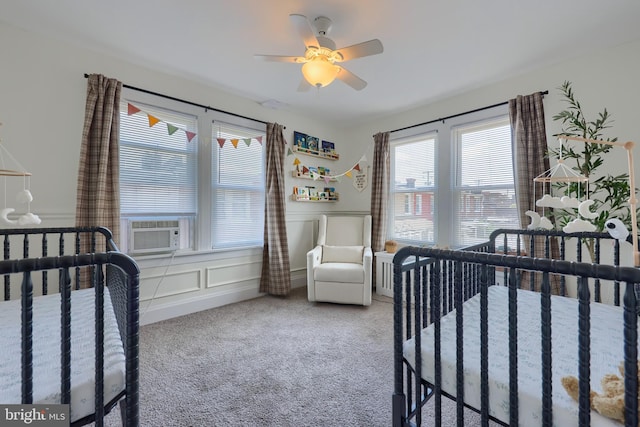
x: 457, y: 115
x: 206, y: 107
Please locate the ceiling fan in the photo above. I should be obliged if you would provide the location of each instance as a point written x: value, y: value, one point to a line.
x: 321, y: 56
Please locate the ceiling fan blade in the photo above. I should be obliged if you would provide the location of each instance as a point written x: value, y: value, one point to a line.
x: 351, y: 79
x: 371, y: 47
x: 303, y: 27
x: 279, y: 58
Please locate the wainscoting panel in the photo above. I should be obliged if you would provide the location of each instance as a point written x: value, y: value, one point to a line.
x: 161, y: 285
x: 301, y: 236
x: 237, y: 272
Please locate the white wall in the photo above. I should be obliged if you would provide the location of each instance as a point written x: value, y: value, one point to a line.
x: 42, y: 101
x: 42, y: 96
x: 602, y: 79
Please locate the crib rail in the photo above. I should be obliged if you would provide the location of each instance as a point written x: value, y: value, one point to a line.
x: 429, y: 283
x: 36, y: 260
x: 21, y: 243
x: 592, y: 247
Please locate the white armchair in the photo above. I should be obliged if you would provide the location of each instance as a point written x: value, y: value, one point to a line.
x: 339, y: 267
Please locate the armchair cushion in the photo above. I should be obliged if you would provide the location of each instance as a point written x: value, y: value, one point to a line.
x: 340, y: 272
x: 342, y: 254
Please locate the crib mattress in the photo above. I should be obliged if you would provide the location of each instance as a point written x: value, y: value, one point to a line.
x: 606, y: 354
x: 46, y: 352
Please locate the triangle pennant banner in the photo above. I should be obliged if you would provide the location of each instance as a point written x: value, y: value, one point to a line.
x: 131, y: 109
x: 327, y: 179
x: 296, y: 161
x: 305, y: 169
x: 152, y: 120
x: 357, y: 167
x: 348, y: 173
x: 171, y: 128
x: 289, y: 152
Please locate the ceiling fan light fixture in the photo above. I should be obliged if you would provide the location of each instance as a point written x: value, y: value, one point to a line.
x: 320, y: 71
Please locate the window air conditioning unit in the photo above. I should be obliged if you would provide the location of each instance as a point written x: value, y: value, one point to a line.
x: 147, y: 236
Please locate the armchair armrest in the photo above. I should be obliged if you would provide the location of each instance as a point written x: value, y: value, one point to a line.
x: 314, y: 258
x: 367, y: 263
x: 367, y: 256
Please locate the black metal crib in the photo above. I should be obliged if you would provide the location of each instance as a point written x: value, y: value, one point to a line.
x: 41, y: 263
x: 435, y: 290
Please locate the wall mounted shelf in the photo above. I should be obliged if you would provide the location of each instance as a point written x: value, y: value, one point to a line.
x: 307, y: 176
x: 298, y: 198
x: 314, y: 153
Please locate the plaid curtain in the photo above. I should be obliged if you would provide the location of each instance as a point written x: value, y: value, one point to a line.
x: 529, y: 139
x: 379, y: 190
x: 98, y: 194
x: 276, y: 272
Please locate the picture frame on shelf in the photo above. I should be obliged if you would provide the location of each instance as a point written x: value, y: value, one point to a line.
x: 328, y: 147
x: 299, y: 139
x: 312, y: 143
x: 313, y: 146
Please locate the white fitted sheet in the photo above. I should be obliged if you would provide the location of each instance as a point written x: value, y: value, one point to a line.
x: 46, y: 352
x: 606, y: 354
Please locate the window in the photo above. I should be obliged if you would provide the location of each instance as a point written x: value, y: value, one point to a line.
x: 238, y: 187
x: 214, y: 194
x: 484, y: 189
x: 413, y: 180
x: 452, y: 181
x: 157, y: 171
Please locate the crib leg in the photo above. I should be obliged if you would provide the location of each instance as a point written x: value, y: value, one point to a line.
x: 123, y: 411
x: 398, y: 405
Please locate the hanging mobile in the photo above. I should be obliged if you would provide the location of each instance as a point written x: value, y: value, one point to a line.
x: 559, y: 173
x: 23, y: 196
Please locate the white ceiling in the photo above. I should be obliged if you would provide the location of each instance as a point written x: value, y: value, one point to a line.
x: 432, y: 48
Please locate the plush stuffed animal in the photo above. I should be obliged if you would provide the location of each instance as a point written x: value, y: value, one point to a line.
x: 611, y: 402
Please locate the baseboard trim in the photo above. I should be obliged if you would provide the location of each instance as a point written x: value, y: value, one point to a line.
x: 160, y: 312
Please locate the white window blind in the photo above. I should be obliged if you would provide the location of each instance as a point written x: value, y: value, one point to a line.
x: 413, y: 185
x: 484, y: 187
x: 157, y: 170
x: 238, y: 189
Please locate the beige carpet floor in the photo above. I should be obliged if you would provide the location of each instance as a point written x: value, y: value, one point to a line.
x: 271, y: 362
